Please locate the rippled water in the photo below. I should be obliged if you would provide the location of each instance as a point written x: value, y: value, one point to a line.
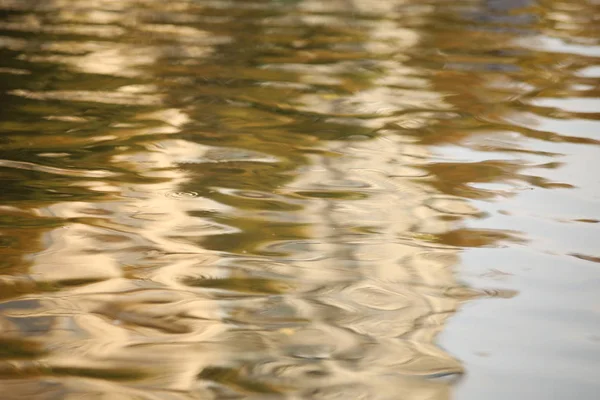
x: 342, y: 199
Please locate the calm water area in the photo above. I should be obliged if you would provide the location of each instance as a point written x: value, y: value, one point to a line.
x: 299, y: 199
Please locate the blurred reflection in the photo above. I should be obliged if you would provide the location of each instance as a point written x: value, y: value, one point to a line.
x: 259, y: 199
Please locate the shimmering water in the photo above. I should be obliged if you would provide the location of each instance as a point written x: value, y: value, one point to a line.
x: 288, y: 199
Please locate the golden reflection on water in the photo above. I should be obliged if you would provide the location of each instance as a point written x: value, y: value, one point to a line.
x: 268, y: 199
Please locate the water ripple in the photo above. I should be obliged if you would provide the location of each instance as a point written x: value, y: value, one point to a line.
x: 57, y: 171
x: 291, y: 199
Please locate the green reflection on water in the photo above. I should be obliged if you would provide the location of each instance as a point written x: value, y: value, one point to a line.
x: 280, y: 190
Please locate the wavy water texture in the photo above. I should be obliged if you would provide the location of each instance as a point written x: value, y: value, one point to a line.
x: 274, y: 199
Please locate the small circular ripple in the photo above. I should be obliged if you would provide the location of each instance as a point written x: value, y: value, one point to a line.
x: 450, y: 205
x: 181, y: 195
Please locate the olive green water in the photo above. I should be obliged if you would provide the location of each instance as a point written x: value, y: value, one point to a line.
x: 287, y: 199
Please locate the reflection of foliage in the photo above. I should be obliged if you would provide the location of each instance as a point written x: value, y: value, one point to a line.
x: 262, y: 92
x: 232, y: 377
x: 19, y: 349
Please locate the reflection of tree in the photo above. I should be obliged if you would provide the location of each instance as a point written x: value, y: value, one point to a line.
x: 359, y: 291
x: 266, y: 223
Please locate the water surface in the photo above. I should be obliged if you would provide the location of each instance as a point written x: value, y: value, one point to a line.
x: 299, y: 199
